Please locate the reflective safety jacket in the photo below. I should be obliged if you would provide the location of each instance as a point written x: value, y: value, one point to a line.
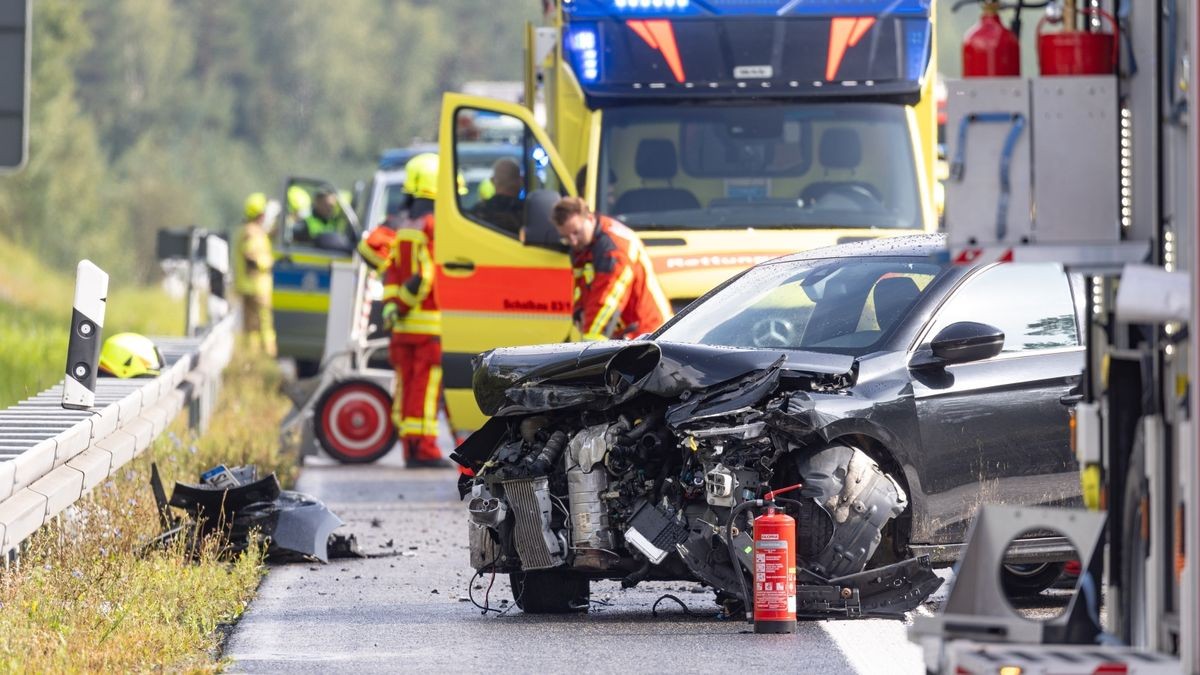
x: 376, y: 247
x: 616, y: 293
x: 408, y: 280
x: 252, y: 261
x: 316, y: 227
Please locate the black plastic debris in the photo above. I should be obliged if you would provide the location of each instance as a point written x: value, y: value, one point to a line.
x: 247, y: 508
x: 344, y: 546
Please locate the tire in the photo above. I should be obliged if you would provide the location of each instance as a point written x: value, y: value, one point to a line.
x: 550, y: 592
x: 1022, y: 581
x: 352, y: 422
x: 1133, y: 630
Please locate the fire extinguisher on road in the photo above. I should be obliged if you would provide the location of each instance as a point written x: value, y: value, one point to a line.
x: 772, y: 606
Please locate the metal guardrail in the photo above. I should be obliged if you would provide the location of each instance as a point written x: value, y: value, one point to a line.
x: 50, y: 456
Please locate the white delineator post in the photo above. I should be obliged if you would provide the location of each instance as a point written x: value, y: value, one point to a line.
x: 87, y: 324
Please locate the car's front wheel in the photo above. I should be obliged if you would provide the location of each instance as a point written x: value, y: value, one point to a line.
x: 550, y: 592
x: 1024, y: 580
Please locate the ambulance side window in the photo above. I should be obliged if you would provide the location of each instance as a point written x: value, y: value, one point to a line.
x: 501, y: 170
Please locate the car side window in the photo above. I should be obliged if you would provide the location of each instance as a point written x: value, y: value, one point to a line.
x: 1031, y: 302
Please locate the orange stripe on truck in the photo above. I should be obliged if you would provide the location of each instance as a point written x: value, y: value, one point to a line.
x: 525, y: 290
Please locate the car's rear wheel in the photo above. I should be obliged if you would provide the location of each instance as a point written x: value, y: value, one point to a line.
x: 1134, y: 548
x: 550, y: 592
x: 1026, y: 579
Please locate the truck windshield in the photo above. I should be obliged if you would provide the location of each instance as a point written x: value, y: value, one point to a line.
x: 814, y: 165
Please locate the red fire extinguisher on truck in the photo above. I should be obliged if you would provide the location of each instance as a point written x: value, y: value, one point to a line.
x: 774, y: 597
x: 990, y: 49
x: 1077, y: 52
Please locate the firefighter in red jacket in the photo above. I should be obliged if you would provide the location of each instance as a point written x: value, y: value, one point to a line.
x: 411, y: 308
x: 617, y: 295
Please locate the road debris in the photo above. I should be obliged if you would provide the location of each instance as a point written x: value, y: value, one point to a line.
x: 247, y: 509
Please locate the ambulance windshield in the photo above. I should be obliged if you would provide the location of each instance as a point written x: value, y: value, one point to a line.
x: 818, y: 165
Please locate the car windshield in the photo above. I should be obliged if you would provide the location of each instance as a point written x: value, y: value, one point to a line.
x: 761, y: 166
x: 837, y: 305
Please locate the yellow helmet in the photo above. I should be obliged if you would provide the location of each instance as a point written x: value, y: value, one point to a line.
x: 255, y: 206
x: 130, y: 355
x: 420, y: 176
x: 299, y: 201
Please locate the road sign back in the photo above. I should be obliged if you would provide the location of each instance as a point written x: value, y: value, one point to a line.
x: 15, y: 31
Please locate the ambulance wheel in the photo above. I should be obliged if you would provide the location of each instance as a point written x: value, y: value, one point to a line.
x: 353, y: 423
x: 550, y: 592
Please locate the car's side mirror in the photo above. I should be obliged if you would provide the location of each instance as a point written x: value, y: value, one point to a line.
x: 961, y: 342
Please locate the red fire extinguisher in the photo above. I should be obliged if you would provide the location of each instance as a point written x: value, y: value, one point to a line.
x: 775, y: 569
x: 989, y: 49
x: 1076, y: 52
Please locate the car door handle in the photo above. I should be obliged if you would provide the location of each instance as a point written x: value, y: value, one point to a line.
x: 460, y: 265
x: 1070, y: 399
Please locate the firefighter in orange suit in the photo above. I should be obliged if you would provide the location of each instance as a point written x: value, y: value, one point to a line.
x: 411, y: 308
x: 617, y: 295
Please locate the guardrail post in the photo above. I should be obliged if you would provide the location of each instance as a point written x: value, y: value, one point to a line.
x: 192, y: 310
x: 87, y: 324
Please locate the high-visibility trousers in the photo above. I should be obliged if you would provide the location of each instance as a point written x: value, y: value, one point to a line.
x: 418, y: 363
x: 258, y: 324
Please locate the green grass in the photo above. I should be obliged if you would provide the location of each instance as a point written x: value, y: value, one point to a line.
x: 85, y: 596
x: 35, y: 318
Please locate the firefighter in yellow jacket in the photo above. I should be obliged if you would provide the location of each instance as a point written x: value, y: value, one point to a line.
x: 411, y: 308
x: 252, y: 262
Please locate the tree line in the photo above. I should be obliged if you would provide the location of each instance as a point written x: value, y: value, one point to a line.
x: 164, y: 113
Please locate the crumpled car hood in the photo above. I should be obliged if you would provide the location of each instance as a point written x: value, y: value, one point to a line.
x: 522, y: 380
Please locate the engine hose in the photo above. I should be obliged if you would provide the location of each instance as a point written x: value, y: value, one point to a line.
x: 748, y: 600
x: 550, y: 452
x: 642, y: 427
x: 637, y: 576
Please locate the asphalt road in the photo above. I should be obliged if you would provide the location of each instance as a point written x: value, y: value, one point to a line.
x: 407, y: 609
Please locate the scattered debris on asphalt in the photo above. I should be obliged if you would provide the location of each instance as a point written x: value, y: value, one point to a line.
x: 247, y: 509
x: 344, y: 546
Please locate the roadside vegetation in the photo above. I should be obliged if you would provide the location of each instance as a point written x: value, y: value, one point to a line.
x: 35, y: 318
x: 88, y: 595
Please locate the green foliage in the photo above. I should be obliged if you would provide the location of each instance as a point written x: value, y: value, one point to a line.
x: 35, y: 319
x: 163, y: 113
x: 89, y: 595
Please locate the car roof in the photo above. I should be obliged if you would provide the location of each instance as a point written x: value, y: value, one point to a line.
x: 913, y: 245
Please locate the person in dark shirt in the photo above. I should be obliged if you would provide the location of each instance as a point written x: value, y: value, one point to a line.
x: 505, y: 209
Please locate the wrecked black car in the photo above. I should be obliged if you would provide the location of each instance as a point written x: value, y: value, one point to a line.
x: 901, y: 391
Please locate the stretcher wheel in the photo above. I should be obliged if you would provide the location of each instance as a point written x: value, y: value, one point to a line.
x: 352, y: 421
